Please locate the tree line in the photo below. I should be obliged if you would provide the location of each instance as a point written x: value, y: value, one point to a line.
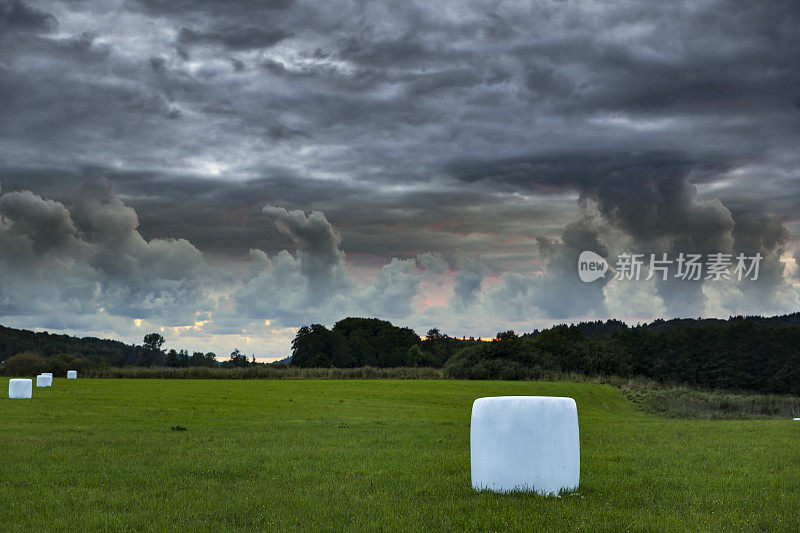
x: 24, y: 353
x: 741, y: 353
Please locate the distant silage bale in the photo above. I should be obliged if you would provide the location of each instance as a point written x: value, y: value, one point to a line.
x: 72, y: 374
x: 20, y: 389
x: 44, y: 380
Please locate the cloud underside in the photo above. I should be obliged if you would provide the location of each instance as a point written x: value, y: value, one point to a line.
x: 244, y: 169
x: 67, y: 266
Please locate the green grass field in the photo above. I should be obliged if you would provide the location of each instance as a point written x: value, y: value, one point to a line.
x: 367, y: 454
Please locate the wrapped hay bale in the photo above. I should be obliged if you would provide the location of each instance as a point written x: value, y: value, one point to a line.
x: 20, y: 389
x: 44, y: 380
x: 527, y: 443
x: 72, y: 374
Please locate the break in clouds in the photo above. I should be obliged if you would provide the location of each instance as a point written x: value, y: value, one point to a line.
x: 230, y: 172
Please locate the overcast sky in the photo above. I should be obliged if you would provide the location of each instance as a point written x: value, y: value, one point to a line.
x: 226, y: 172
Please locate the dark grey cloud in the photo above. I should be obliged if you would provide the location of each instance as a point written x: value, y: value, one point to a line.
x: 512, y: 134
x: 559, y: 292
x: 312, y: 284
x: 757, y: 232
x: 797, y: 264
x: 211, y: 8
x: 652, y: 199
x: 233, y: 37
x: 91, y: 259
x: 280, y: 132
x: 15, y: 15
x: 468, y: 280
x: 157, y: 63
x: 374, y: 51
x: 321, y: 259
x: 649, y: 195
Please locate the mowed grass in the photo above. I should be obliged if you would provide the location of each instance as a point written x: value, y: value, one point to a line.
x: 367, y: 454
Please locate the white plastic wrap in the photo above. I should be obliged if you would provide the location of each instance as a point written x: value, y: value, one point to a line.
x: 20, y: 388
x: 43, y: 380
x: 525, y: 443
x: 72, y: 374
x: 47, y: 374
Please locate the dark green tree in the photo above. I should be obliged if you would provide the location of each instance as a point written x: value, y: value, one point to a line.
x: 171, y: 359
x: 313, y: 346
x: 151, y: 353
x: 197, y: 359
x: 237, y: 360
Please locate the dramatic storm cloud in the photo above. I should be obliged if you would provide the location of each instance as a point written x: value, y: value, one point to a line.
x: 231, y: 171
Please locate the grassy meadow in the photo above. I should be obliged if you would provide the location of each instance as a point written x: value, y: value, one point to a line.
x: 120, y: 454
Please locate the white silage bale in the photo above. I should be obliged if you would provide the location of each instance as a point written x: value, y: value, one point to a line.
x: 44, y: 380
x: 72, y: 374
x: 20, y: 388
x: 525, y: 443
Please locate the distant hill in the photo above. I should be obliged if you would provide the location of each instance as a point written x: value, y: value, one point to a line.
x: 115, y: 353
x: 781, y: 320
x: 599, y: 327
